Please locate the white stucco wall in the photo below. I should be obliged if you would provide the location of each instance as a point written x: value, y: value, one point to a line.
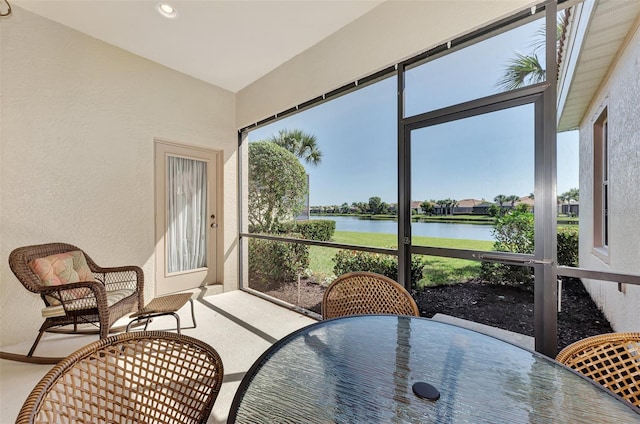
x: 79, y: 119
x: 621, y: 93
x: 388, y: 34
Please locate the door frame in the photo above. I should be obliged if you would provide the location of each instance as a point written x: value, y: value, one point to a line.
x: 216, y: 189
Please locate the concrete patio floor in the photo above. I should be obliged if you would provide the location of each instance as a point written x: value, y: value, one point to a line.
x: 238, y: 325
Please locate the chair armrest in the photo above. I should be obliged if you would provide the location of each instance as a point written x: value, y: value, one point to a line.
x: 78, y: 296
x: 122, y: 277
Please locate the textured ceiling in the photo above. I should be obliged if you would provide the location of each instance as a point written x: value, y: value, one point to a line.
x: 228, y: 43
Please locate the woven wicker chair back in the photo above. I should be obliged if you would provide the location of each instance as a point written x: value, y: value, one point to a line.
x: 19, y: 261
x: 141, y: 377
x: 93, y: 305
x: 359, y: 293
x: 613, y: 360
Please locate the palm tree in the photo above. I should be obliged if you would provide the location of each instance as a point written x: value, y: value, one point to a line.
x: 500, y: 199
x: 512, y: 199
x: 451, y: 203
x: 568, y: 196
x: 442, y: 204
x: 301, y: 144
x: 525, y: 69
x: 521, y: 71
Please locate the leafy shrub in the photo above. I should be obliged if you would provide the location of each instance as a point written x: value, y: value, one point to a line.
x: 568, y: 246
x: 274, y: 263
x: 317, y: 229
x: 514, y: 232
x: 494, y: 210
x: 352, y: 261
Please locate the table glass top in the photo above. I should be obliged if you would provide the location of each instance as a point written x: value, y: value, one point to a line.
x: 362, y: 369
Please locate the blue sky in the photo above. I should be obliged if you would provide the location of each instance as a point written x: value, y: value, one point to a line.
x: 478, y: 157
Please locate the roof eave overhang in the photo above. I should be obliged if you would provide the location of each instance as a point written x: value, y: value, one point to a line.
x: 598, y: 30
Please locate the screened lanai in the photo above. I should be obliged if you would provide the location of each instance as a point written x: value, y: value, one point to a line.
x: 416, y: 84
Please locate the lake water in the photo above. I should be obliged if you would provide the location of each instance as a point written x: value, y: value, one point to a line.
x: 427, y: 229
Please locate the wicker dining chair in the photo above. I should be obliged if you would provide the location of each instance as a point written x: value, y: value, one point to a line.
x: 94, y: 294
x: 359, y: 293
x: 141, y: 377
x: 612, y: 359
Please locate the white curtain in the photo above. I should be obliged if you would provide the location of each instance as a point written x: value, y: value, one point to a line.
x: 187, y: 214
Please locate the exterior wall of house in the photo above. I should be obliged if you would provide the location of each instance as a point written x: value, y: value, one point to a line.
x: 389, y: 33
x: 621, y: 93
x: 79, y: 118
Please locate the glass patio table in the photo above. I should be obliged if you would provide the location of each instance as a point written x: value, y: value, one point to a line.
x: 362, y: 369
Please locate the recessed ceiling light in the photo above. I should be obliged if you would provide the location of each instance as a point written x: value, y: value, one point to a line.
x: 166, y: 10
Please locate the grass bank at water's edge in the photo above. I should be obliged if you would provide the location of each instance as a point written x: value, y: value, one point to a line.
x: 437, y: 270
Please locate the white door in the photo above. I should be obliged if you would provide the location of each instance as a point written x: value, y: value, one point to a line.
x: 186, y: 217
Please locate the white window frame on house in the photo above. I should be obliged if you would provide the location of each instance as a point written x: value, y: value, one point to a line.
x: 601, y: 187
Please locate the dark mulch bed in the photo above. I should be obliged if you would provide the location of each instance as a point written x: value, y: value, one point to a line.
x: 510, y: 308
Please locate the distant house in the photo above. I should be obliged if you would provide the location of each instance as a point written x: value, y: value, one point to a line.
x: 482, y: 208
x: 599, y: 94
x: 465, y: 206
x: 572, y: 208
x: 415, y: 206
x: 526, y: 200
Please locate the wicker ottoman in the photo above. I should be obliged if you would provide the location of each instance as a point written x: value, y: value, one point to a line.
x: 165, y: 305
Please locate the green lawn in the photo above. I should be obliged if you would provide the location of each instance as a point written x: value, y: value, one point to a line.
x: 438, y: 270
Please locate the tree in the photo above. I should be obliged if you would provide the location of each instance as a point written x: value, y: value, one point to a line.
x: 495, y: 210
x: 427, y: 207
x: 277, y: 185
x: 522, y: 70
x: 500, y: 199
x: 512, y: 199
x: 446, y: 205
x: 526, y: 69
x: 360, y: 207
x: 449, y: 204
x: 301, y: 144
x: 568, y: 196
x: 453, y: 204
x: 440, y: 204
x: 375, y: 205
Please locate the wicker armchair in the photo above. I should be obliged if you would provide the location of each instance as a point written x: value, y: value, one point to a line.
x: 140, y: 377
x: 613, y: 360
x: 358, y: 293
x: 114, y: 293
